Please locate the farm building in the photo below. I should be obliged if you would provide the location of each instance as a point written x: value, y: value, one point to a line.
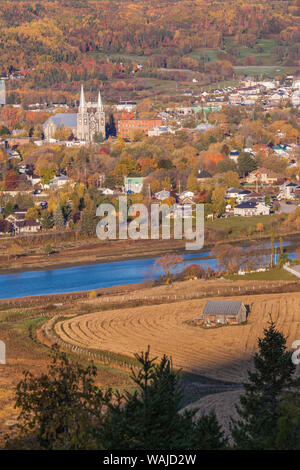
x: 223, y: 312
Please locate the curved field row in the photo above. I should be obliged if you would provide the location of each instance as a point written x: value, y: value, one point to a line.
x: 223, y: 353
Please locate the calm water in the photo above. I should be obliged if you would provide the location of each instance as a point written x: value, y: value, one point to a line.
x: 56, y: 281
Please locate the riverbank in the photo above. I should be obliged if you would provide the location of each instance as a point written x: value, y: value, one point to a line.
x: 90, y: 252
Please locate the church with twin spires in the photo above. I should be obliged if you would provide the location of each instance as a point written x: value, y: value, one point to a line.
x: 90, y: 119
x: 88, y: 122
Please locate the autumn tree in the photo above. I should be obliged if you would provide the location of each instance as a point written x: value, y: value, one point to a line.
x: 260, y: 228
x: 218, y: 200
x: 11, y: 180
x: 168, y: 265
x: 231, y: 179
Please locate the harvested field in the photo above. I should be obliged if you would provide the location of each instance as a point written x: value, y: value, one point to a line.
x: 222, y: 403
x: 224, y: 353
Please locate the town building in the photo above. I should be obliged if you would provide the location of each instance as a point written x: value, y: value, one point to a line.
x: 53, y: 123
x: 126, y: 126
x: 85, y: 125
x: 90, y: 119
x: 159, y: 130
x: 128, y: 106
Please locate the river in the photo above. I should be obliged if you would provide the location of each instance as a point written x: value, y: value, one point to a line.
x: 93, y: 276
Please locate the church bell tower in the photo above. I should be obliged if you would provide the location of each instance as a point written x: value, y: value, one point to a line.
x: 83, y: 128
x: 100, y: 117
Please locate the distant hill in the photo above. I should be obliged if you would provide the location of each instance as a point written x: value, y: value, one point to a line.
x: 64, y: 41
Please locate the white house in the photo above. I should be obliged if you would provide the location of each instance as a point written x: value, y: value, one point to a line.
x: 249, y: 209
x: 127, y: 106
x: 232, y: 193
x: 161, y: 195
x: 186, y: 194
x: 287, y: 190
x: 262, y: 175
x: 107, y: 191
x: 295, y: 98
x: 133, y: 184
x: 59, y: 181
x: 159, y: 130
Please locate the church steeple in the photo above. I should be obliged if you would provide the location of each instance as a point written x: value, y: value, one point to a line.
x: 82, y: 104
x: 99, y: 104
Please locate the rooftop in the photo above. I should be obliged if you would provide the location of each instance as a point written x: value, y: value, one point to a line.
x: 63, y: 119
x: 222, y: 307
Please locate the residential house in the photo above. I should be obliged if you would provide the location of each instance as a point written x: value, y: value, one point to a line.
x: 59, y: 181
x: 295, y: 98
x: 26, y: 226
x: 133, y: 184
x: 126, y: 126
x: 234, y: 155
x: 107, y: 191
x: 250, y: 209
x: 203, y: 176
x: 254, y: 197
x: 288, y: 191
x: 282, y: 150
x: 232, y: 193
x: 33, y: 179
x: 159, y: 130
x: 242, y: 195
x: 263, y: 176
x: 186, y: 194
x: 162, y: 195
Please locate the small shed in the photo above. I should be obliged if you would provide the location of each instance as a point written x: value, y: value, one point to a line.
x: 223, y: 312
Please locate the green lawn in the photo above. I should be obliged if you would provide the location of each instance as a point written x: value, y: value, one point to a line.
x: 242, y: 223
x: 273, y: 275
x: 263, y: 70
x: 212, y: 54
x: 221, y: 84
x: 119, y: 55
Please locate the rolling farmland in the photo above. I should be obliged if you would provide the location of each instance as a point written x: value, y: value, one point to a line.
x: 222, y: 353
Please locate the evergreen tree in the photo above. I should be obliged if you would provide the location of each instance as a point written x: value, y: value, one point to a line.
x: 88, y: 223
x: 110, y: 126
x: 149, y: 418
x: 46, y: 220
x: 246, y: 164
x: 259, y: 408
x: 58, y: 218
x: 63, y: 409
